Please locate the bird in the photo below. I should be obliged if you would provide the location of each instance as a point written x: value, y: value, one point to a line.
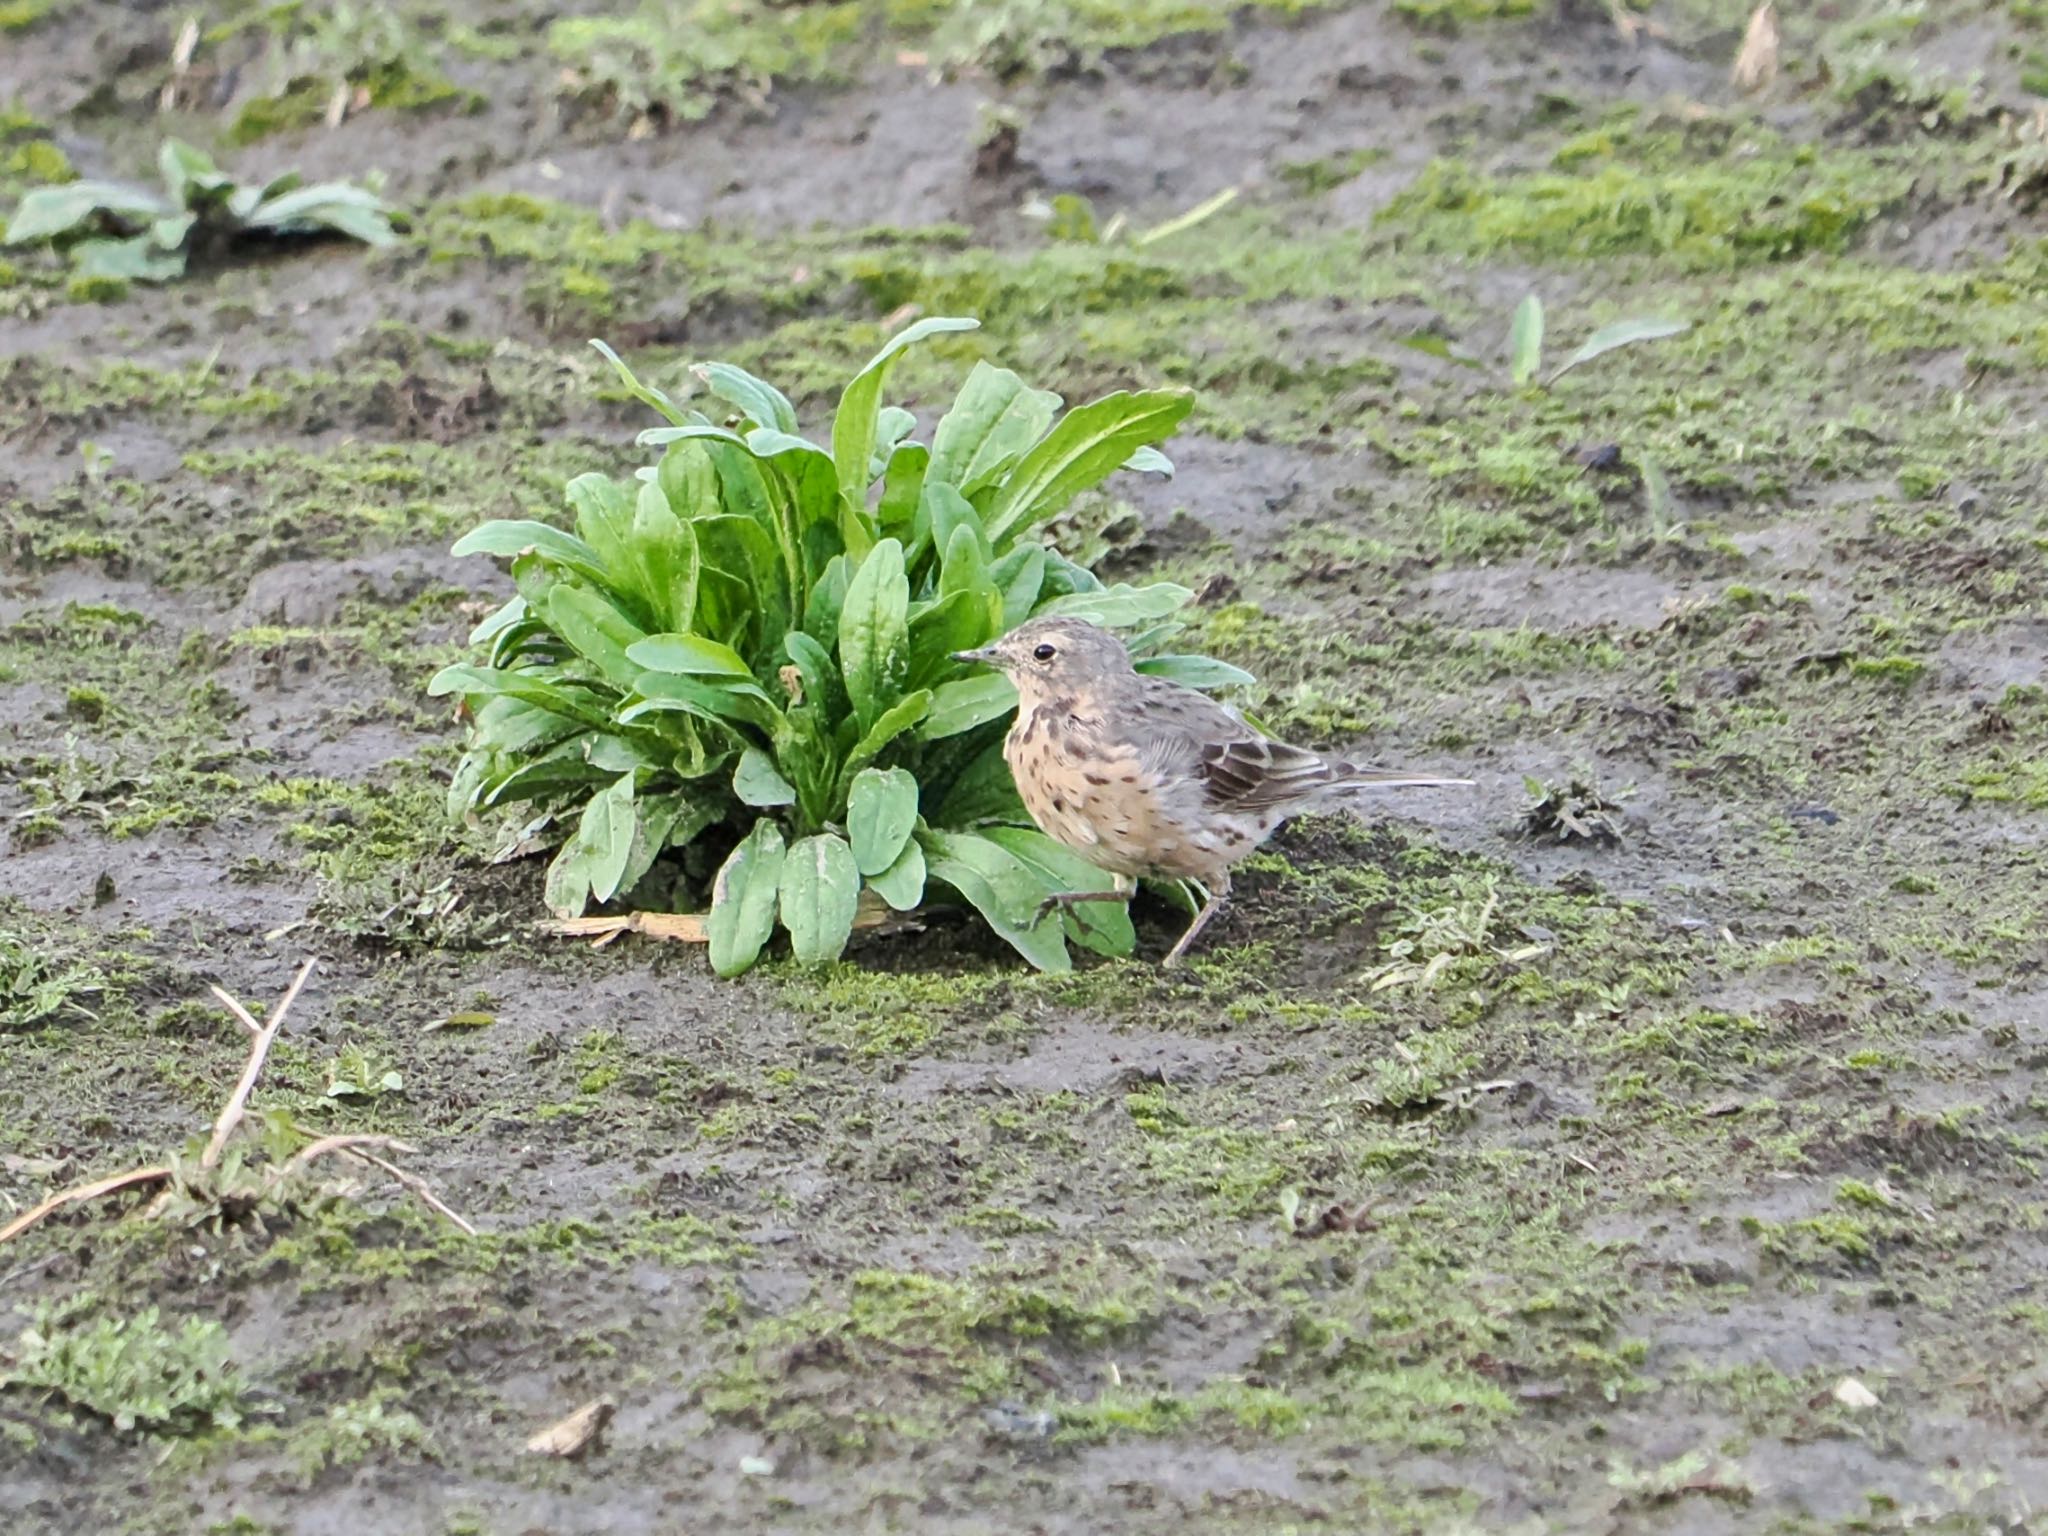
x: 1146, y: 778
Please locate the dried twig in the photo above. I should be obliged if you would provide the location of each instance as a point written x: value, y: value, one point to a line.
x: 417, y: 1185
x: 238, y: 1102
x: 243, y: 1015
x: 689, y: 927
x: 134, y: 1178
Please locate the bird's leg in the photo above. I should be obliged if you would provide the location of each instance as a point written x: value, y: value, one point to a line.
x: 1123, y: 891
x: 1219, y: 898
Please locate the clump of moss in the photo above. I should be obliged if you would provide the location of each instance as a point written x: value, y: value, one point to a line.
x: 1725, y: 211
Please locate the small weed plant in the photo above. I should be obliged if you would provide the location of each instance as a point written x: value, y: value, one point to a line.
x: 745, y: 658
x: 135, y: 1373
x: 132, y: 234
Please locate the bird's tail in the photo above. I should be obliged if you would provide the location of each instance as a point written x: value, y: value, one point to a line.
x: 1349, y: 778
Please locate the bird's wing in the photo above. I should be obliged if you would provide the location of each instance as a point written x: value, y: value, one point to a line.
x: 1181, y: 733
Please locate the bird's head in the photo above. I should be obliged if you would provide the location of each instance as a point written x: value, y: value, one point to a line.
x: 1055, y: 656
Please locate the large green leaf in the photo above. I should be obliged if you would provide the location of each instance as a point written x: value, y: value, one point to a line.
x: 727, y: 700
x: 1103, y: 926
x: 902, y: 883
x: 1003, y: 889
x: 646, y: 394
x: 821, y: 681
x: 828, y: 599
x: 853, y: 424
x: 760, y: 402
x: 601, y: 634
x: 513, y: 537
x: 1621, y: 333
x: 331, y: 205
x: 874, y: 632
x: 902, y: 486
x: 571, y: 700
x: 689, y: 655
x: 893, y: 722
x: 142, y: 259
x: 606, y: 835
x: 995, y: 419
x: 665, y: 554
x: 1196, y: 671
x: 1119, y: 606
x: 189, y: 174
x: 49, y: 212
x: 756, y: 781
x: 1019, y: 576
x: 966, y: 702
x: 982, y: 792
x: 744, y: 899
x: 604, y: 521
x: 959, y: 621
x: 820, y: 895
x: 881, y: 811
x: 1090, y: 443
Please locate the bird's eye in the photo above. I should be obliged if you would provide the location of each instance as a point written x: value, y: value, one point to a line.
x: 1044, y: 653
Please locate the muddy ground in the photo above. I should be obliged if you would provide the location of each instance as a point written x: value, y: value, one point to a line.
x: 1698, y: 1191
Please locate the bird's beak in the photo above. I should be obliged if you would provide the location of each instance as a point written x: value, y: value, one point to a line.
x: 986, y: 656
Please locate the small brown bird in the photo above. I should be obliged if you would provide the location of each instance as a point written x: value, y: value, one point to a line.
x: 1145, y: 777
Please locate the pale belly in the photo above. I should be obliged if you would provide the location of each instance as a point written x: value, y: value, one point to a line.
x: 1117, y: 816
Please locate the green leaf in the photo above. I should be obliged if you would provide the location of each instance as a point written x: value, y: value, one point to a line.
x: 563, y: 767
x: 964, y: 565
x: 664, y: 821
x: 902, y: 883
x: 881, y: 811
x: 1019, y: 576
x: 567, y: 887
x: 1103, y: 926
x: 665, y: 555
x: 604, y: 521
x: 893, y: 723
x: 1149, y: 461
x: 967, y: 702
x: 1196, y: 671
x: 572, y: 701
x: 600, y: 633
x: 49, y: 212
x: 606, y: 835
x: 828, y: 598
x: 760, y: 402
x: 1003, y: 889
x: 995, y: 419
x: 874, y: 632
x: 981, y: 792
x: 1090, y: 443
x: 820, y: 895
x: 902, y: 486
x: 959, y: 621
x: 646, y: 394
x: 189, y: 174
x: 513, y: 537
x: 853, y: 424
x: 1525, y: 340
x: 744, y: 897
x: 140, y: 260
x: 690, y: 656
x: 1620, y: 334
x: 332, y: 205
x: 757, y: 782
x: 726, y: 700
x: 822, y: 686
x: 1118, y: 606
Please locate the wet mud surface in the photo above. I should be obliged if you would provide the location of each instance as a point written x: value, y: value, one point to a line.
x: 1696, y: 1187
